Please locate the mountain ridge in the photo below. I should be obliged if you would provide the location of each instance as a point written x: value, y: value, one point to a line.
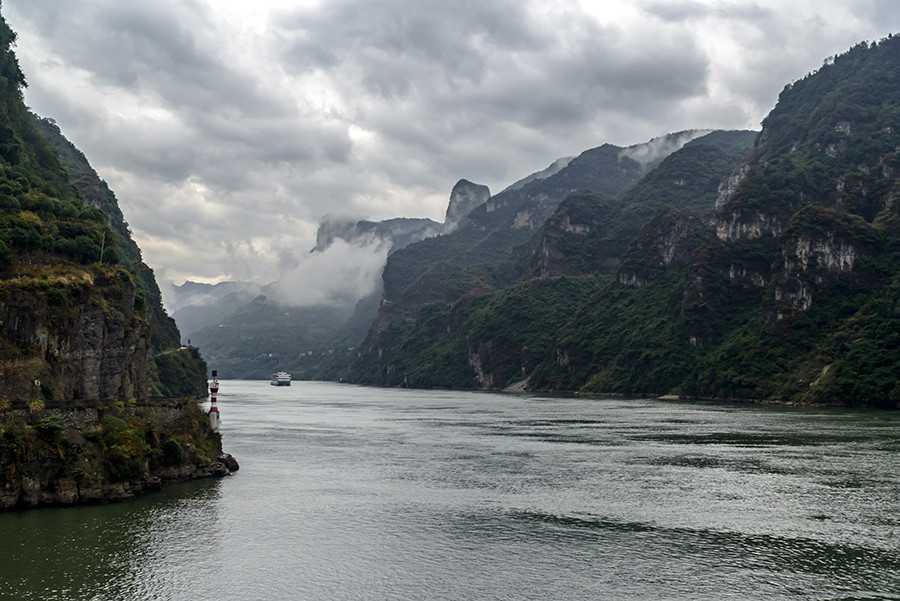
x: 479, y: 263
x: 799, y: 254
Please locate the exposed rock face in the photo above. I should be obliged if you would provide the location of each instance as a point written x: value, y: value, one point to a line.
x: 669, y: 246
x: 80, y: 313
x: 581, y: 221
x: 476, y: 361
x: 822, y: 251
x: 229, y: 462
x: 746, y: 225
x: 630, y: 278
x: 731, y: 183
x: 821, y: 246
x: 807, y: 260
x: 794, y: 293
x: 464, y: 197
x: 669, y: 238
x: 740, y: 272
x: 400, y: 232
x: 75, y: 412
x: 87, y: 345
x: 575, y: 228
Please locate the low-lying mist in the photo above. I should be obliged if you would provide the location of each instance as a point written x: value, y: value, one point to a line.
x: 339, y: 275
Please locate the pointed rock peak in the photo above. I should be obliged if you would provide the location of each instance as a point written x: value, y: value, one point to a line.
x: 464, y: 197
x: 332, y: 227
x: 463, y: 186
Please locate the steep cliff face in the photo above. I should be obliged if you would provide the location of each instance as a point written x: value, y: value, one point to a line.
x: 740, y: 224
x: 821, y: 248
x: 72, y: 337
x: 80, y: 315
x: 94, y: 192
x: 464, y: 197
x: 572, y: 240
x: 74, y: 455
x: 668, y: 239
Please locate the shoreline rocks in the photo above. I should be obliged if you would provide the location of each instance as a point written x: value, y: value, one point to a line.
x: 104, y: 454
x: 31, y: 494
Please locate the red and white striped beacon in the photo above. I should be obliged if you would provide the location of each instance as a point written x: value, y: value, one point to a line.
x: 213, y: 410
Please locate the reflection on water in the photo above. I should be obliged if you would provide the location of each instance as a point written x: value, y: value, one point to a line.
x: 95, y: 552
x: 355, y: 493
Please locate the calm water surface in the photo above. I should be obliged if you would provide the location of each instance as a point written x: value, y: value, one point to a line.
x: 372, y: 494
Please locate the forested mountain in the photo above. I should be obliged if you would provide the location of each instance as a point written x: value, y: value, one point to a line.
x: 95, y: 192
x: 471, y: 314
x: 85, y: 344
x: 475, y: 252
x: 781, y: 283
x: 253, y: 331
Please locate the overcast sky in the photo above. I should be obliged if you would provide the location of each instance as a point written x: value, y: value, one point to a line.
x: 228, y: 128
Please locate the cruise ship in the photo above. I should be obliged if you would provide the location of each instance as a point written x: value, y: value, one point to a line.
x: 281, y: 378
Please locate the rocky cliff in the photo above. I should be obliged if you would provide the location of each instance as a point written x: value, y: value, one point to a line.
x: 464, y: 197
x: 72, y: 335
x: 94, y: 454
x: 81, y: 331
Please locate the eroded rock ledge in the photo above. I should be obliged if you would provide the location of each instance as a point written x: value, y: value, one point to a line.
x: 72, y: 456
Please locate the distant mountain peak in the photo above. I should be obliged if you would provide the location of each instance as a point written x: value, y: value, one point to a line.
x: 388, y: 232
x: 464, y: 197
x: 554, y: 168
x: 650, y: 154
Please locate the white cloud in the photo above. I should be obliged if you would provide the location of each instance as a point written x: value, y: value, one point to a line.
x: 338, y: 276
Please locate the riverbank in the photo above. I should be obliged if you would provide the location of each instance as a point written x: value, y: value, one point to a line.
x: 86, y: 455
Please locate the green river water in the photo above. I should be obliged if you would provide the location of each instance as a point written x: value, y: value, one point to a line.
x: 351, y: 493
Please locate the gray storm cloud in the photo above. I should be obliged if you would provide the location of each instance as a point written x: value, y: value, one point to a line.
x: 253, y: 120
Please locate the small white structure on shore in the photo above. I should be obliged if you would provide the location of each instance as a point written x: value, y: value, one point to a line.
x: 213, y: 410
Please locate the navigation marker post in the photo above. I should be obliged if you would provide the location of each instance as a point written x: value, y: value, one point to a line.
x: 213, y: 410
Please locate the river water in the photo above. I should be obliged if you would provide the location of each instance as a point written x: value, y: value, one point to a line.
x: 350, y: 493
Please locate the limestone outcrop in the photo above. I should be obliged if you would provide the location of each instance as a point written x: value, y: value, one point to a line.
x: 104, y: 454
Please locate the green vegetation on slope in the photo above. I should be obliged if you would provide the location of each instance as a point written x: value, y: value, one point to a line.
x: 787, y: 291
x: 796, y: 305
x: 79, y: 313
x: 473, y: 325
x: 178, y: 373
x: 60, y: 225
x: 94, y: 192
x: 40, y: 214
x: 483, y: 340
x: 498, y: 245
x: 124, y: 444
